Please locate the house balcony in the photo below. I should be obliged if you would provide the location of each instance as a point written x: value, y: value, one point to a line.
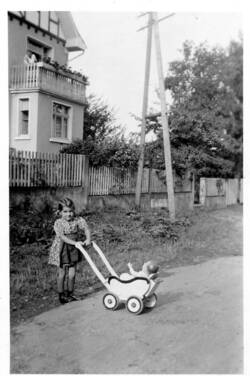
x: 47, y: 79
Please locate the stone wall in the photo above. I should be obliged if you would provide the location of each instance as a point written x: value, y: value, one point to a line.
x: 38, y: 199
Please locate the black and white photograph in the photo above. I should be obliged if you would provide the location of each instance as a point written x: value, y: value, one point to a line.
x: 124, y: 172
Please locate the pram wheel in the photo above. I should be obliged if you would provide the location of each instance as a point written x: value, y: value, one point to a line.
x: 135, y: 305
x: 110, y: 301
x: 150, y: 301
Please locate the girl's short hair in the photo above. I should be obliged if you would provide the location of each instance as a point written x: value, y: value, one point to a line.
x: 65, y: 202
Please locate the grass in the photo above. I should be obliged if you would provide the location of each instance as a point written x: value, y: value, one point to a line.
x: 123, y: 237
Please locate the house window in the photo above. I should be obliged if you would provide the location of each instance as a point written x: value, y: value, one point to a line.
x: 39, y: 49
x: 61, y: 121
x: 23, y: 129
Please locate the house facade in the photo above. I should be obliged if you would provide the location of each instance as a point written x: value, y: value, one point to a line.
x: 46, y: 99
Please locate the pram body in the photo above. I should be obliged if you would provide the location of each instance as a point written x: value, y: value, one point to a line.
x: 137, y: 292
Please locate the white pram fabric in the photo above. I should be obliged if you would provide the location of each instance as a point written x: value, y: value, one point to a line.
x: 128, y: 276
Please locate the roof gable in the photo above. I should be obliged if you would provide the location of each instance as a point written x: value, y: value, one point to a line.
x: 74, y: 41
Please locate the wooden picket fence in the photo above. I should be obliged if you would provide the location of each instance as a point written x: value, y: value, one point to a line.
x: 34, y: 169
x: 109, y: 180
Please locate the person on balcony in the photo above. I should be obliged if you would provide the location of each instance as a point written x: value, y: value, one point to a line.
x: 30, y: 58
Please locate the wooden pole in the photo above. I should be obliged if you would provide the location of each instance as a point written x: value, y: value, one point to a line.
x: 144, y: 113
x: 166, y: 140
x: 85, y: 180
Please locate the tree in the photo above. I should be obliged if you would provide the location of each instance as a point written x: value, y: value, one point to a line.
x: 206, y: 114
x: 99, y: 120
x: 103, y: 140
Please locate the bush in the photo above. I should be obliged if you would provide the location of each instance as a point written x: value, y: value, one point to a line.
x: 30, y: 227
x: 160, y: 226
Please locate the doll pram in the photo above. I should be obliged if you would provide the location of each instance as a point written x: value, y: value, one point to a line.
x: 137, y: 292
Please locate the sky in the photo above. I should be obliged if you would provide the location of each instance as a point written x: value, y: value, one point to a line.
x: 115, y: 56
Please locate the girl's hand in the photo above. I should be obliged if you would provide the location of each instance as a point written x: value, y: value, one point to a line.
x: 79, y: 244
x: 87, y: 243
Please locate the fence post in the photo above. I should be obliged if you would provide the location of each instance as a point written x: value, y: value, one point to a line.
x: 203, y: 191
x: 149, y: 186
x: 85, y: 180
x: 238, y: 190
x: 241, y: 191
x: 193, y: 188
x: 149, y: 180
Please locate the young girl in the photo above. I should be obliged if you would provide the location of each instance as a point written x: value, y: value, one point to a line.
x: 63, y: 252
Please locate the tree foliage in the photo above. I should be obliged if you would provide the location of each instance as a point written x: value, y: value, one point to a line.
x: 103, y: 140
x: 205, y: 118
x: 206, y: 114
x: 99, y: 120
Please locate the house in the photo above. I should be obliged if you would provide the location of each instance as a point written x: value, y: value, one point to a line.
x: 46, y: 99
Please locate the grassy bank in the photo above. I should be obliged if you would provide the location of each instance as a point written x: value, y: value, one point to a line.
x: 124, y: 237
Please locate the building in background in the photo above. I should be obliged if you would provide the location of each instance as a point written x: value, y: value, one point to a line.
x: 46, y: 99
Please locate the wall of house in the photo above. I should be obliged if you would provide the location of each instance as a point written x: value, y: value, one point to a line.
x: 40, y: 122
x: 28, y: 143
x: 45, y: 123
x: 18, y: 32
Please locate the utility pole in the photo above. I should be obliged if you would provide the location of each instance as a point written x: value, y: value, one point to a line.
x: 153, y: 21
x: 166, y: 140
x: 144, y: 114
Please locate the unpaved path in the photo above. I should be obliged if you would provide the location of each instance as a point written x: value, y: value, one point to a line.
x: 195, y: 328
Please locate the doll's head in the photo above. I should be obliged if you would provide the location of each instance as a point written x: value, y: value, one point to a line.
x: 150, y: 267
x: 153, y: 267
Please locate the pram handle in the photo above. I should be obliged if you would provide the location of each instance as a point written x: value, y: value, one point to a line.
x: 92, y: 264
x: 105, y: 261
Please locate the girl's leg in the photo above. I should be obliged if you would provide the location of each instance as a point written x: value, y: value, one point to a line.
x: 60, y: 279
x: 71, y: 281
x: 60, y: 284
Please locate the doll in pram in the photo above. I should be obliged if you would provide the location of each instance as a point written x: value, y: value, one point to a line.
x: 136, y: 290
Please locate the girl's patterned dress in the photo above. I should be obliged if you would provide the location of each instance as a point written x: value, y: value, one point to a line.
x: 61, y: 252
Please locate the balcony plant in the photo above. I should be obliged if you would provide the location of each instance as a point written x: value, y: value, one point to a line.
x: 65, y: 70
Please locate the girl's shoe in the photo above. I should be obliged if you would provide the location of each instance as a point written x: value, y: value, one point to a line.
x: 63, y: 299
x: 70, y: 297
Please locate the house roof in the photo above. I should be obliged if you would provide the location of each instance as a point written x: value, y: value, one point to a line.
x: 74, y: 41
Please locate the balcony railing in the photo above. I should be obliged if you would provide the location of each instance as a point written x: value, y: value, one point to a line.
x: 39, y: 76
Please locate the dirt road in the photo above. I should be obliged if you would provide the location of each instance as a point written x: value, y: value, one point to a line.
x: 195, y: 328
